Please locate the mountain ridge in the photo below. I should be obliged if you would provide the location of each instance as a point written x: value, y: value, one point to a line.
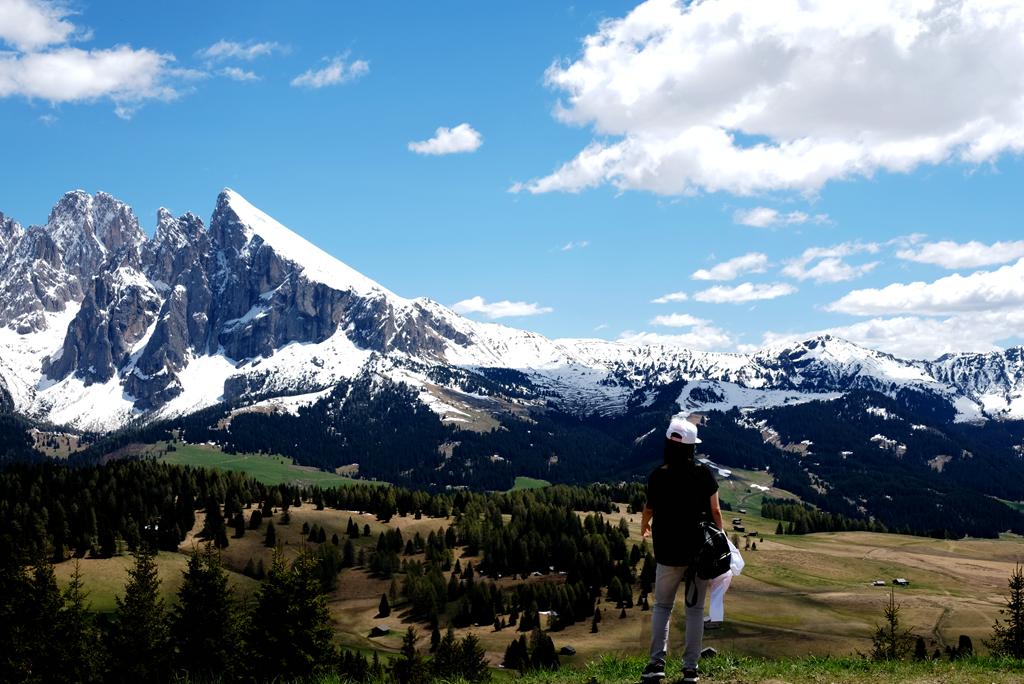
x: 101, y: 325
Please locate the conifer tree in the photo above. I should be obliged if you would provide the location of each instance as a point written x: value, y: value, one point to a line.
x: 207, y: 624
x: 385, y: 607
x: 473, y: 660
x: 410, y: 668
x: 1008, y: 636
x: 290, y: 631
x: 446, y: 656
x: 83, y: 653
x: 271, y: 539
x: 138, y: 639
x: 888, y: 640
x: 44, y: 604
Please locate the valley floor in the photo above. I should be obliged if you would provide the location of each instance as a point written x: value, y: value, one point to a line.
x: 797, y: 596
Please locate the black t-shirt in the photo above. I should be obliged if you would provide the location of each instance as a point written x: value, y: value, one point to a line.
x: 680, y: 498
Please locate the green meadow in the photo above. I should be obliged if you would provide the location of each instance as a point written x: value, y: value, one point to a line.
x: 265, y: 469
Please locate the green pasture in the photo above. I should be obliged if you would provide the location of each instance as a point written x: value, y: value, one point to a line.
x: 529, y: 483
x: 266, y: 469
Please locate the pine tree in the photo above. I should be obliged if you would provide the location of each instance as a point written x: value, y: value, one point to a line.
x: 45, y: 643
x: 207, y: 623
x: 385, y: 607
x: 446, y: 656
x: 1008, y: 636
x: 410, y: 668
x: 138, y: 639
x: 290, y: 631
x: 889, y: 642
x: 473, y: 660
x: 271, y: 539
x: 83, y: 653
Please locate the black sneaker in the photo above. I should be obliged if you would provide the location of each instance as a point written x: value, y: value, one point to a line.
x: 690, y: 675
x: 654, y: 672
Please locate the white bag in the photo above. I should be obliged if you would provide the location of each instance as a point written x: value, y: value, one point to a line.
x: 736, y: 563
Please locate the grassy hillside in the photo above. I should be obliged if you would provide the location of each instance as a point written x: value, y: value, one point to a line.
x: 798, y: 595
x: 266, y: 469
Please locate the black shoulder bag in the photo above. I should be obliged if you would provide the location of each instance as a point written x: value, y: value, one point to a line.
x: 713, y: 559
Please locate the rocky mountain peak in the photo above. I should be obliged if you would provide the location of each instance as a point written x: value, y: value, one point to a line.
x: 227, y: 229
x: 10, y: 233
x: 89, y: 231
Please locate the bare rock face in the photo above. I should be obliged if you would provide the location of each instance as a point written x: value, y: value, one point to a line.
x: 10, y: 233
x: 52, y: 265
x: 114, y: 316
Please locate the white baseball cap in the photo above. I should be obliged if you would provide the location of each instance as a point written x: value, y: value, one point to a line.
x: 682, y: 430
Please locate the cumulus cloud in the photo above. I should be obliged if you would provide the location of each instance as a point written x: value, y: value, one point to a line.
x: 678, y: 320
x: 701, y: 338
x: 983, y: 291
x: 913, y: 337
x: 674, y: 297
x: 238, y: 74
x: 336, y: 72
x: 228, y: 50
x: 763, y: 217
x: 498, y: 309
x: 462, y: 138
x: 747, y: 292
x: 830, y: 267
x: 29, y: 25
x: 753, y: 262
x: 68, y: 74
x: 747, y: 96
x: 970, y: 255
x: 43, y: 67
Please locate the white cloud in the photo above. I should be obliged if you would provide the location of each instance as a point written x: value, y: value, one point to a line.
x: 970, y: 255
x: 678, y: 320
x: 702, y: 338
x: 33, y: 24
x: 238, y: 74
x: 674, y: 297
x: 913, y: 337
x: 575, y: 245
x: 763, y: 217
x: 601, y: 327
x: 983, y: 291
x: 226, y: 50
x: 462, y: 138
x: 498, y: 309
x: 753, y: 262
x: 48, y: 119
x: 831, y: 268
x: 747, y: 292
x: 748, y: 96
x: 66, y: 74
x: 336, y: 72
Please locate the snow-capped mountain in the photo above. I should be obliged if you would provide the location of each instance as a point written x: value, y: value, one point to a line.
x: 99, y: 324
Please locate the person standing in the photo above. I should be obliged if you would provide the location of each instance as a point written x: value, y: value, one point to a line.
x: 681, y: 494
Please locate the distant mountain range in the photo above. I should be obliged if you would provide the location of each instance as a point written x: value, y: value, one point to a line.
x: 103, y: 328
x: 101, y: 325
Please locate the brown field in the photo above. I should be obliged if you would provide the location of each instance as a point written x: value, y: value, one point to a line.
x: 797, y: 595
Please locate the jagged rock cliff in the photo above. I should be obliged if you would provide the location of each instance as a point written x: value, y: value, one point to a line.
x: 100, y: 324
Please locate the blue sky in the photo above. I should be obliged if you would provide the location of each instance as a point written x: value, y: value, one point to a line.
x: 722, y: 175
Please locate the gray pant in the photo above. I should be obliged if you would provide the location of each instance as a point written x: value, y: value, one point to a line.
x: 667, y: 582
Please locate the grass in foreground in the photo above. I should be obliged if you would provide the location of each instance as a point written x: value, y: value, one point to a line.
x: 726, y: 668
